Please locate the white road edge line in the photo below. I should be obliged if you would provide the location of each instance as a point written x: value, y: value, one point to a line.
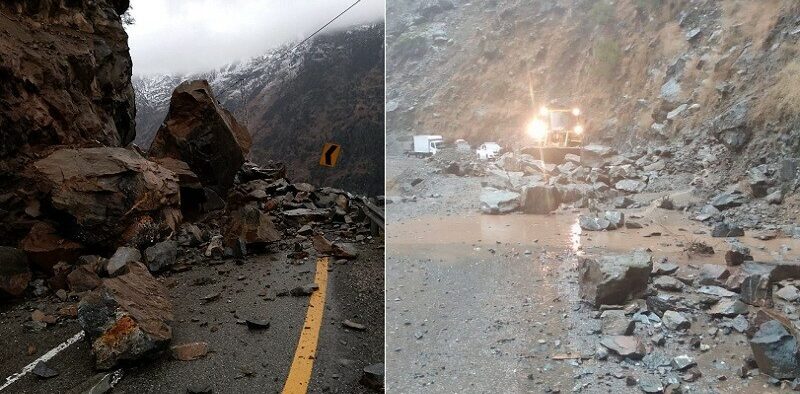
x: 45, y: 357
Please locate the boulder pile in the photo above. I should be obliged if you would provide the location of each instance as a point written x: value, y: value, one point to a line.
x: 599, y: 174
x: 643, y: 306
x: 104, y: 221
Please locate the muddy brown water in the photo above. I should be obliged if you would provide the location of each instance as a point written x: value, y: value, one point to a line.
x: 666, y: 234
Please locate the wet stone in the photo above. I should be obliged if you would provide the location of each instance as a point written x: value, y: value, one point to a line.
x: 624, y: 346
x: 353, y: 325
x: 775, y: 351
x: 41, y: 370
x: 723, y: 230
x: 614, y: 322
x: 612, y: 280
x: 651, y: 384
x: 728, y: 308
x: 118, y: 262
x: 161, y: 255
x: 189, y: 351
x: 668, y: 283
x: 683, y: 362
x: 789, y: 293
x: 305, y: 290
x: 15, y: 274
x: 83, y: 279
x: 675, y: 321
x: 373, y: 376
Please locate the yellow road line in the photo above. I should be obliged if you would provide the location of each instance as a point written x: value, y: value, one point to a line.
x: 300, y: 372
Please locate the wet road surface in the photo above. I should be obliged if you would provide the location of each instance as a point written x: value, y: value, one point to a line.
x: 240, y: 360
x: 480, y: 303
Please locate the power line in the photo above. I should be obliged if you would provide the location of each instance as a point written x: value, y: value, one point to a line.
x: 299, y: 44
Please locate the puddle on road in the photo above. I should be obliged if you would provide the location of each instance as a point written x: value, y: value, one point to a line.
x: 536, y: 294
x: 562, y: 232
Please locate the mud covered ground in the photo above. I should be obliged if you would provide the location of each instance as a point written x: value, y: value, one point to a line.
x: 478, y: 302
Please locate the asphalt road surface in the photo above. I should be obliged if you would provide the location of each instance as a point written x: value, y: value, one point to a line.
x: 240, y: 360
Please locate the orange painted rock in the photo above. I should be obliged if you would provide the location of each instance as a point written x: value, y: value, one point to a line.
x: 129, y: 317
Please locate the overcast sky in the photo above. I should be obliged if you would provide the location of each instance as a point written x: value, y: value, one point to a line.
x: 180, y: 36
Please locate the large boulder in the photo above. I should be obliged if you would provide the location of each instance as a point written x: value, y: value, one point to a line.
x: 198, y: 131
x: 14, y: 271
x: 540, y: 199
x: 613, y: 280
x: 127, y: 318
x: 496, y: 201
x: 731, y: 126
x: 775, y: 351
x: 104, y: 194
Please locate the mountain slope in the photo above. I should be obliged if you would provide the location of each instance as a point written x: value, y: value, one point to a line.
x: 330, y: 89
x: 480, y: 71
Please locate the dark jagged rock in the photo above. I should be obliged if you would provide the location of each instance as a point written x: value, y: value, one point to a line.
x: 201, y: 133
x: 613, y: 280
x: 723, y: 230
x: 45, y: 247
x: 14, y: 271
x: 775, y: 351
x: 161, y: 255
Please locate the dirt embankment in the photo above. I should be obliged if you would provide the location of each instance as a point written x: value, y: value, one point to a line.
x: 698, y: 75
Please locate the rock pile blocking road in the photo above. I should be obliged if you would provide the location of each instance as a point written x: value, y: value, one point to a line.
x: 105, y: 220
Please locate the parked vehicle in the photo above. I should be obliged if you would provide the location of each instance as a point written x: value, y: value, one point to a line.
x: 426, y: 145
x: 488, y: 150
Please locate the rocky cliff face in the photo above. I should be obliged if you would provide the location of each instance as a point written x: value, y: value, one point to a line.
x: 65, y: 79
x: 65, y: 71
x: 329, y: 90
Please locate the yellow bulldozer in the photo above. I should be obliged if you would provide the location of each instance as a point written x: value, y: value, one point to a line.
x: 555, y: 132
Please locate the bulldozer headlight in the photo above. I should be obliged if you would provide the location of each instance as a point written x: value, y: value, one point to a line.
x: 576, y: 111
x: 537, y: 129
x: 578, y: 129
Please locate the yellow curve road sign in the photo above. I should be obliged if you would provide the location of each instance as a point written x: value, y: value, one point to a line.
x: 330, y: 155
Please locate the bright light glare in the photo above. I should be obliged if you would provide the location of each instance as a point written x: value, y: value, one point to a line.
x: 537, y: 129
x: 576, y: 111
x: 578, y: 129
x: 543, y: 111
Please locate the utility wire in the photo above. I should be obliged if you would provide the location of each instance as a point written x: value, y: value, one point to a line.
x: 298, y: 45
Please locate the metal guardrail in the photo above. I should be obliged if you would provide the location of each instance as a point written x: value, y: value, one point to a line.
x: 373, y: 213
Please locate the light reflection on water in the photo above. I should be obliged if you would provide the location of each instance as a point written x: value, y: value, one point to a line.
x: 575, y: 237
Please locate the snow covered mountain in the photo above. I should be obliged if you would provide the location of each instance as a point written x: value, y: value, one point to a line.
x: 330, y: 89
